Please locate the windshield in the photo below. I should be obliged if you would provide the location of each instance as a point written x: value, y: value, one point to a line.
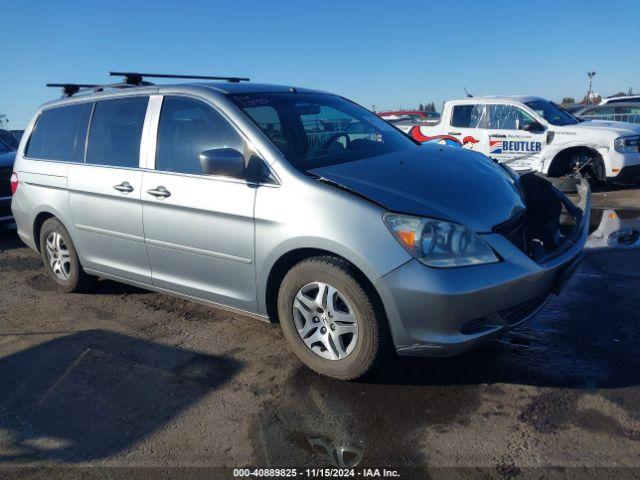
x: 552, y: 113
x: 315, y: 130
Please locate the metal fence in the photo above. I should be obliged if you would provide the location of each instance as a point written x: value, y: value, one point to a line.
x: 615, y: 117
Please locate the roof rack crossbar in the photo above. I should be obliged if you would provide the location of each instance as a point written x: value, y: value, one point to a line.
x: 70, y: 89
x: 135, y: 78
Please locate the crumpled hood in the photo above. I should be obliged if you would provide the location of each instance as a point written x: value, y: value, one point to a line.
x: 7, y: 159
x: 437, y: 181
x: 618, y: 128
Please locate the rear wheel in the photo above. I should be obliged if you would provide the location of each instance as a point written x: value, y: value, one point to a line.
x: 329, y: 319
x: 60, y: 257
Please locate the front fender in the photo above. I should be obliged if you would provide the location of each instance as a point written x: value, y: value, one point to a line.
x: 323, y: 218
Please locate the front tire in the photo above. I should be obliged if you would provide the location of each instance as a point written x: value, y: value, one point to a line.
x: 61, y: 259
x: 330, y: 320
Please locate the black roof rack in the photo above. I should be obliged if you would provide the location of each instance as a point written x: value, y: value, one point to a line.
x: 69, y: 89
x: 135, y: 78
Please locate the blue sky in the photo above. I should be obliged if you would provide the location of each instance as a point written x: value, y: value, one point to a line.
x: 387, y: 54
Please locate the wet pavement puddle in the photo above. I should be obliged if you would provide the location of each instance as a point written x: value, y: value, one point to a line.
x: 611, y: 228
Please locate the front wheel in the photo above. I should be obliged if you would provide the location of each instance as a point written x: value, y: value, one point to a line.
x: 329, y: 319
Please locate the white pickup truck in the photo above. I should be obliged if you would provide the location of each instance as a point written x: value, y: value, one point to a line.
x: 531, y: 133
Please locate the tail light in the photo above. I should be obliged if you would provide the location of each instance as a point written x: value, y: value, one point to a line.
x: 14, y: 183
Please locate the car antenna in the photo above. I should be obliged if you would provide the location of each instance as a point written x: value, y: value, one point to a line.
x: 135, y: 78
x: 467, y: 92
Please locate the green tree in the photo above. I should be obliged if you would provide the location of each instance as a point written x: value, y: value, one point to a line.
x: 568, y: 100
x: 421, y: 107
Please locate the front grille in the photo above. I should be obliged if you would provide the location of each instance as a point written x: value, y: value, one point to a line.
x: 517, y: 313
x: 5, y: 181
x: 514, y: 230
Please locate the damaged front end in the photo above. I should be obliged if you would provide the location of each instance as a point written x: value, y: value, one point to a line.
x: 551, y: 223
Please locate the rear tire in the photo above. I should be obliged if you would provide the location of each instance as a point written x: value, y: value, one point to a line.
x: 325, y: 316
x: 61, y: 259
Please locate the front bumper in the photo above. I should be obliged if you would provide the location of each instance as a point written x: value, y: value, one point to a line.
x: 628, y: 174
x: 443, y: 312
x: 6, y: 217
x: 623, y: 167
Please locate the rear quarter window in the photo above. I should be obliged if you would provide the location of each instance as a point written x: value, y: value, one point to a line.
x: 60, y: 134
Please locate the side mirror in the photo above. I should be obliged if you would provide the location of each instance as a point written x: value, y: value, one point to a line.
x: 225, y: 162
x: 533, y: 127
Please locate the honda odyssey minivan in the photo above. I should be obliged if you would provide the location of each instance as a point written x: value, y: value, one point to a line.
x: 292, y: 206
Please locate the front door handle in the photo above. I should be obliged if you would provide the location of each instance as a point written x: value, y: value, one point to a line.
x: 124, y: 187
x: 159, y: 192
x: 455, y: 133
x: 498, y: 135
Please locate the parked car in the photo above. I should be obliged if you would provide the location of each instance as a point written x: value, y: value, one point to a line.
x: 17, y: 134
x: 417, y: 115
x: 252, y: 198
x: 8, y: 137
x: 572, y: 108
x: 618, y: 112
x: 531, y: 133
x: 7, y: 157
x: 620, y: 99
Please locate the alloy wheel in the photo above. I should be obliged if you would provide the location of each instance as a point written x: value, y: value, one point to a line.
x: 325, y: 320
x: 58, y: 255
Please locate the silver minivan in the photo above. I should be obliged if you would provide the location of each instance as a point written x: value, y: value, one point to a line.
x: 293, y: 206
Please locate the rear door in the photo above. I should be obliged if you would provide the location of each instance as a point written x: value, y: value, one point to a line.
x: 509, y: 139
x: 466, y: 127
x: 198, y: 228
x: 104, y: 192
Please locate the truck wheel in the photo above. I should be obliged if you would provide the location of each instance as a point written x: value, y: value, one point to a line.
x: 596, y: 173
x: 60, y: 257
x: 329, y: 319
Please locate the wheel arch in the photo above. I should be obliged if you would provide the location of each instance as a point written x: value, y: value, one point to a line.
x: 560, y: 160
x: 286, y: 261
x: 38, y: 221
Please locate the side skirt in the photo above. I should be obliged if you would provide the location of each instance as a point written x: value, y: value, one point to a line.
x: 202, y: 301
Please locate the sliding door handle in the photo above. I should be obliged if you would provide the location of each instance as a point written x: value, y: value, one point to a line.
x: 455, y: 133
x: 124, y: 187
x: 159, y: 192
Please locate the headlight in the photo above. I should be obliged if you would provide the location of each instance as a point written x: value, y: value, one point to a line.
x: 438, y: 243
x: 629, y: 144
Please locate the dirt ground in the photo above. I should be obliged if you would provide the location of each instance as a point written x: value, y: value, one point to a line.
x: 128, y: 378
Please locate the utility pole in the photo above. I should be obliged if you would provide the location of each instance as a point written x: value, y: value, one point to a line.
x: 590, y: 92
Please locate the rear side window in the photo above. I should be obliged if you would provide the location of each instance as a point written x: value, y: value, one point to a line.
x: 187, y: 128
x: 116, y: 130
x: 468, y: 116
x: 60, y: 134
